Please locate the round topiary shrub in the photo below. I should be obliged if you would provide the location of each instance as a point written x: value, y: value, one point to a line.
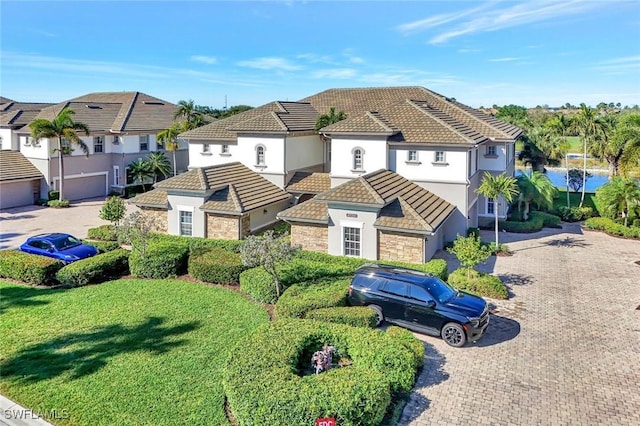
x: 480, y: 284
x: 258, y: 284
x: 215, y: 265
x: 267, y: 378
x: 355, y: 316
x: 161, y: 260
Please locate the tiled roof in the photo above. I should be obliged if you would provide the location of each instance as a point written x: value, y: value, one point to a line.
x: 309, y: 183
x: 14, y: 166
x: 118, y: 112
x: 405, y: 206
x: 154, y: 198
x: 18, y: 114
x: 235, y: 188
x: 4, y: 100
x: 295, y: 116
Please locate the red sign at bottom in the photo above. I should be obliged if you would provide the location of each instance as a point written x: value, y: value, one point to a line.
x: 329, y: 421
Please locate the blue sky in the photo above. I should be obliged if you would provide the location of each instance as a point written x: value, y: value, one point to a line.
x: 482, y: 52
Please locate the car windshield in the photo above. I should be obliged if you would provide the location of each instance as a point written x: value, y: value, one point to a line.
x: 66, y: 242
x: 440, y: 290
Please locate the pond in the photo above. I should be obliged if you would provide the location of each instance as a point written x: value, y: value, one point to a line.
x: 558, y: 178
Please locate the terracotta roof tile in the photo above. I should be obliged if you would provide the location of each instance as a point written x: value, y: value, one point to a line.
x: 14, y: 166
x: 155, y: 198
x: 18, y: 114
x: 310, y: 211
x: 309, y: 183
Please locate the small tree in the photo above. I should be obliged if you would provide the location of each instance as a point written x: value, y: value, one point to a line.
x: 267, y: 251
x: 576, y: 179
x: 113, y: 210
x: 470, y: 251
x: 136, y: 229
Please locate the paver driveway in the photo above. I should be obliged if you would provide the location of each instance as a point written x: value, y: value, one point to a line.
x: 564, y: 349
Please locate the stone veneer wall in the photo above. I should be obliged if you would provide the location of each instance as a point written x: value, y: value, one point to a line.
x: 311, y: 237
x: 160, y: 216
x: 400, y: 247
x: 222, y: 227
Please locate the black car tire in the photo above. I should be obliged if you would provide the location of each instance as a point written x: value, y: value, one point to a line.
x: 454, y: 334
x: 379, y: 314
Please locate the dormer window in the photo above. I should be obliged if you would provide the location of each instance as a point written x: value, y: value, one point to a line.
x: 358, y: 159
x: 260, y: 156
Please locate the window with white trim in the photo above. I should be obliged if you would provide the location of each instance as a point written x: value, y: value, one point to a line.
x: 116, y: 175
x: 260, y: 157
x: 224, y: 149
x: 206, y: 148
x: 412, y: 156
x: 491, y: 151
x: 186, y: 223
x: 98, y: 144
x: 439, y: 157
x: 490, y: 206
x: 358, y: 161
x: 144, y: 142
x: 351, y: 241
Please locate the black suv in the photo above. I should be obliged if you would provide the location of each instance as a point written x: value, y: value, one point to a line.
x: 420, y: 302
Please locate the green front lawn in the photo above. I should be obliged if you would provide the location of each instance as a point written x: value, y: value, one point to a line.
x: 124, y: 352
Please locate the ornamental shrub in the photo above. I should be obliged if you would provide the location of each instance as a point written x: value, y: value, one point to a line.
x: 279, y: 392
x: 28, y: 268
x: 95, y: 269
x: 407, y: 338
x: 355, y: 316
x: 53, y: 195
x: 161, y: 260
x: 548, y: 220
x: 435, y: 267
x: 574, y: 214
x: 478, y: 283
x: 103, y: 233
x: 612, y: 227
x: 58, y: 204
x: 258, y: 284
x: 102, y: 246
x: 215, y: 265
x: 300, y: 298
x: 195, y: 243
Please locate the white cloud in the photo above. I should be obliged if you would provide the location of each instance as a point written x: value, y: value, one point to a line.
x: 438, y: 20
x: 335, y: 74
x: 623, y: 65
x: 315, y: 58
x: 352, y: 57
x: 270, y: 63
x: 204, y: 59
x: 507, y: 59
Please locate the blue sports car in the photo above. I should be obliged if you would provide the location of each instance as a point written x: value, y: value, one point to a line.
x: 64, y: 247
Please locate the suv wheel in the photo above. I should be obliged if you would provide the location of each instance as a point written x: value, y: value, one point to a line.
x: 454, y: 334
x: 379, y: 314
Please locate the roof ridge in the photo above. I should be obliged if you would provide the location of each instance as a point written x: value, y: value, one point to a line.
x: 129, y: 111
x: 433, y: 112
x: 405, y: 204
x: 368, y: 186
x: 235, y: 197
x: 373, y: 114
x: 457, y: 104
x: 276, y: 115
x: 202, y: 178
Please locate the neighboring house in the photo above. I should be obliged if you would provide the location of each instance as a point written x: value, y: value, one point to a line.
x: 19, y: 180
x: 13, y: 117
x: 123, y: 128
x: 379, y: 215
x: 227, y: 201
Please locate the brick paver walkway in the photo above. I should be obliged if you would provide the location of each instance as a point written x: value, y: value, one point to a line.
x: 564, y: 349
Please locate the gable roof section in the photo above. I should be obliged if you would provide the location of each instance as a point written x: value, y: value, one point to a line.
x: 404, y: 205
x: 118, y: 112
x: 155, y: 198
x: 292, y: 117
x: 15, y: 166
x: 309, y: 183
x: 233, y: 188
x: 18, y: 114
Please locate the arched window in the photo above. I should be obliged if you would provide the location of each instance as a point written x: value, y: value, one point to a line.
x: 260, y: 155
x: 358, y: 154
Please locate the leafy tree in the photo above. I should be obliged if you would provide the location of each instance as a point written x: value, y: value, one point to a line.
x: 170, y: 139
x: 62, y: 127
x: 606, y: 146
x: 559, y: 126
x: 267, y: 251
x: 332, y: 117
x: 189, y: 113
x: 236, y: 109
x: 159, y: 165
x: 577, y: 180
x: 136, y: 229
x: 470, y: 251
x: 113, y: 210
x: 620, y: 198
x: 514, y: 114
x: 536, y: 189
x: 139, y: 171
x: 585, y: 122
x: 494, y: 187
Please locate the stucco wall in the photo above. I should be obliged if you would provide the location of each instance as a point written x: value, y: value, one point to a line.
x: 363, y: 219
x: 303, y: 152
x: 259, y: 218
x: 198, y: 158
x: 310, y: 236
x: 400, y: 247
x: 453, y: 169
x: 181, y: 202
x: 10, y: 140
x: 374, y: 157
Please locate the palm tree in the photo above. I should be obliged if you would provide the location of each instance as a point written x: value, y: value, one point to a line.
x: 606, y: 146
x: 332, y: 117
x: 559, y: 126
x: 628, y: 130
x: 536, y: 189
x: 620, y: 197
x: 159, y: 165
x: 587, y: 125
x: 139, y: 171
x: 170, y: 139
x: 188, y: 111
x: 62, y: 127
x: 494, y: 187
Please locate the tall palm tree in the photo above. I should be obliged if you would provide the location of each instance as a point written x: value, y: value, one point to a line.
x: 536, y: 189
x: 606, y: 146
x: 188, y: 112
x: 494, y: 187
x: 585, y: 122
x: 170, y: 139
x: 559, y: 126
x: 620, y: 197
x: 628, y: 130
x: 159, y: 165
x: 139, y: 171
x: 62, y: 127
x: 332, y: 117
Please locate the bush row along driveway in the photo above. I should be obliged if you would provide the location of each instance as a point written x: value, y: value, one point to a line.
x: 564, y: 349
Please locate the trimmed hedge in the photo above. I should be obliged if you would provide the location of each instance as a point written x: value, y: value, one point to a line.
x: 194, y: 243
x: 258, y: 284
x: 298, y: 299
x: 407, y: 338
x: 29, y: 268
x: 278, y: 392
x: 355, y: 316
x: 162, y: 260
x: 103, y: 246
x: 435, y: 267
x: 95, y: 269
x: 215, y: 265
x: 480, y: 284
x: 612, y: 227
x: 536, y: 221
x: 58, y: 204
x: 574, y: 214
x: 103, y: 233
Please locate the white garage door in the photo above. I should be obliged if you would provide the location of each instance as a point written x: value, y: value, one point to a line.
x: 85, y: 187
x: 16, y: 194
